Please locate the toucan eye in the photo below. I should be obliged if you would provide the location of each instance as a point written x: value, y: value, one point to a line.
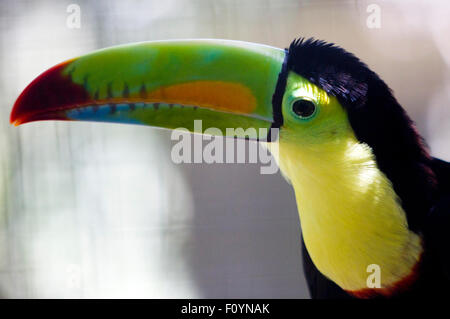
x: 304, y: 108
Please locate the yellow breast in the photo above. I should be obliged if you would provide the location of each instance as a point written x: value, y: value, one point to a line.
x: 350, y: 215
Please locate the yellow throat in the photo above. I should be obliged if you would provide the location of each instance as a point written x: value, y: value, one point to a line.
x: 349, y: 213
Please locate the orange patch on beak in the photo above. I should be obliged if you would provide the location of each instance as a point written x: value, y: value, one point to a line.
x: 216, y: 95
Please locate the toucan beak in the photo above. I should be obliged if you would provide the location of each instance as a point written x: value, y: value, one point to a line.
x: 226, y: 84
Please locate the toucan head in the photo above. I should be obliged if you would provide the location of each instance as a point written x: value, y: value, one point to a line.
x: 319, y: 96
x: 170, y: 83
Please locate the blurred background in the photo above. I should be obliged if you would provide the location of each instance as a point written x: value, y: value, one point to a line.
x: 100, y: 210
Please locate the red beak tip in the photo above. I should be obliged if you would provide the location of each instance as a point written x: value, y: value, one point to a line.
x: 48, y: 92
x: 15, y: 121
x: 14, y: 118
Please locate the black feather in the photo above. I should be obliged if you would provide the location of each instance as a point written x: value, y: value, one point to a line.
x: 437, y: 222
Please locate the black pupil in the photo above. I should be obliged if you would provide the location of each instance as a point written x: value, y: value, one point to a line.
x: 303, y: 108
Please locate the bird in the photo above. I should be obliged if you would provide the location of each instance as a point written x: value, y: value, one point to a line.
x: 371, y: 199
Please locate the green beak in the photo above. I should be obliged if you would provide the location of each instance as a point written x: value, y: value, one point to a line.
x: 226, y: 84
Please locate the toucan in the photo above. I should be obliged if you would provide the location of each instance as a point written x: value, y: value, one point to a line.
x: 369, y: 195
